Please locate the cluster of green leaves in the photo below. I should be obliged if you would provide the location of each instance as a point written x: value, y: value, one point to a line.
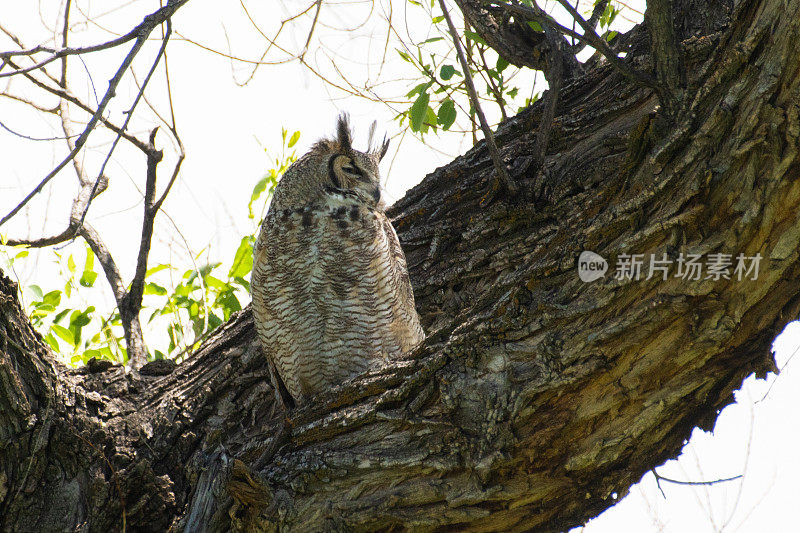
x: 205, y: 297
x: 63, y: 317
x: 607, y: 18
x: 181, y: 305
x: 438, y: 99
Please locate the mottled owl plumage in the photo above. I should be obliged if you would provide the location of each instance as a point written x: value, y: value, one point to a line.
x: 331, y: 293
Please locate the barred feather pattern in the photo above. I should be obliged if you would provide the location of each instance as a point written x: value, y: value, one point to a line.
x: 331, y: 293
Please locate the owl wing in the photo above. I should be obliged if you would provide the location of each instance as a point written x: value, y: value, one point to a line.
x: 331, y: 295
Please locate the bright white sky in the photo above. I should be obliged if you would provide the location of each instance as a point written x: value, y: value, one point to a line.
x: 225, y: 128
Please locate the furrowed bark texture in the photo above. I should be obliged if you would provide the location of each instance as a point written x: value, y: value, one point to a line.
x: 536, y: 396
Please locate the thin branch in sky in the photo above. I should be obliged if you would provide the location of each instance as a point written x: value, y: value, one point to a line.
x: 502, y: 178
x: 143, y: 30
x: 589, y: 36
x: 129, y: 114
x: 140, y: 33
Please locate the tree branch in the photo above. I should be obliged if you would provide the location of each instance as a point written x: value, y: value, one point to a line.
x: 555, y: 78
x: 597, y: 12
x: 140, y: 32
x: 143, y: 30
x: 665, y: 53
x: 502, y: 179
x: 589, y: 36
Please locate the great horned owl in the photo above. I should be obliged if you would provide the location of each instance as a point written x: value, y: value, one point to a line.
x: 331, y: 293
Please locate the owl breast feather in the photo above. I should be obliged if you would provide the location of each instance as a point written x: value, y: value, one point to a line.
x: 331, y: 294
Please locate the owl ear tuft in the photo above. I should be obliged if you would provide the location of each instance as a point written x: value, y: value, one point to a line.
x: 343, y: 134
x: 384, y: 147
x: 377, y: 151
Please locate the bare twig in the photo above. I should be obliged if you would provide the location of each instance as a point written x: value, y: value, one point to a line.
x: 555, y: 78
x: 151, y: 149
x: 660, y: 478
x: 128, y: 300
x: 65, y: 95
x: 589, y: 36
x: 106, y: 260
x: 140, y: 33
x: 599, y: 8
x: 134, y: 298
x: 502, y: 178
x: 143, y: 30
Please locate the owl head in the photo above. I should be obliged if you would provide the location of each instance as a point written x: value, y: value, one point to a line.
x: 333, y: 167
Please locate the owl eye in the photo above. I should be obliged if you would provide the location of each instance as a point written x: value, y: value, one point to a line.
x: 343, y: 170
x: 355, y: 171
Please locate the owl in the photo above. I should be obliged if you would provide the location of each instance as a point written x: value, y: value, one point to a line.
x: 330, y: 286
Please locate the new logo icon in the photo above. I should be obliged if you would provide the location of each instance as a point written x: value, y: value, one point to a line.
x: 591, y: 266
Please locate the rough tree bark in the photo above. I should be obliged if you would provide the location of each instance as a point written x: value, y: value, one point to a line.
x: 536, y: 399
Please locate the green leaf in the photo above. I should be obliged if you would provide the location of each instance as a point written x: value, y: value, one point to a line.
x: 447, y: 72
x: 475, y: 37
x: 243, y: 282
x: 105, y: 351
x: 51, y: 341
x: 260, y: 187
x: 405, y: 56
x: 36, y: 290
x: 77, y: 321
x: 535, y: 26
x: 437, y: 20
x: 293, y: 139
x: 71, y: 264
x: 228, y: 302
x: 418, y: 111
x: 60, y: 316
x: 447, y: 114
x: 88, y: 354
x: 88, y: 278
x: 214, y: 283
x: 154, y: 288
x: 155, y: 269
x: 64, y: 333
x: 21, y: 255
x: 89, y: 264
x: 207, y: 268
x: 432, y: 40
x: 610, y: 35
x: 52, y: 298
x: 501, y: 64
x: 42, y: 310
x: 419, y: 89
x: 213, y: 322
x: 243, y: 260
x: 430, y: 116
x: 513, y: 92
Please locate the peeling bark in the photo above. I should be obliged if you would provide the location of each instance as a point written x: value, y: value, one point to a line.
x: 535, y: 397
